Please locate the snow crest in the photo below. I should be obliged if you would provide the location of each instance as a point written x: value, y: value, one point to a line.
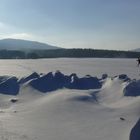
x: 57, y: 80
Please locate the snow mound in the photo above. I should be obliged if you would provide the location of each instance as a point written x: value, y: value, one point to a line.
x: 54, y: 81
x: 50, y: 82
x: 57, y: 80
x: 28, y: 78
x: 84, y: 83
x: 9, y: 85
x: 133, y: 88
x: 135, y: 135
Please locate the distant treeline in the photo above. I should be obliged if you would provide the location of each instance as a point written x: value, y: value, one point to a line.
x: 70, y: 53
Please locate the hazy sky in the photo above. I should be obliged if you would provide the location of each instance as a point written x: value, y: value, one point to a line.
x: 100, y: 24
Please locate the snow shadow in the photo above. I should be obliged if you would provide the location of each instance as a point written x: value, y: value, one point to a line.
x: 50, y: 82
x: 92, y: 97
x: 132, y: 89
x: 135, y: 132
x: 54, y: 81
x: 28, y: 78
x: 124, y: 77
x: 57, y: 80
x: 9, y: 85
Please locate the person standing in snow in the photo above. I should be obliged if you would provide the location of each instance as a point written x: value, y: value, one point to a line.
x: 138, y: 60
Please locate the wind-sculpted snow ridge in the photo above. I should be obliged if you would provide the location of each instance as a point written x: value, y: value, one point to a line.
x: 48, y: 82
x: 54, y: 81
x: 57, y: 80
x: 28, y: 78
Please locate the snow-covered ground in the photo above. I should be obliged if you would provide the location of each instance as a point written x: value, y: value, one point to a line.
x: 75, y: 107
x: 94, y: 67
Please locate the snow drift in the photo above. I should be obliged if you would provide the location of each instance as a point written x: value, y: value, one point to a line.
x: 54, y: 81
x: 48, y: 82
x: 57, y: 80
x: 83, y: 107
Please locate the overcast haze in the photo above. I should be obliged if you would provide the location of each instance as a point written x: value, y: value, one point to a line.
x: 100, y: 24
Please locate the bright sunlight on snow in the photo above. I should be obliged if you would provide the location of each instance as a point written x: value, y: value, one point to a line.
x: 69, y: 99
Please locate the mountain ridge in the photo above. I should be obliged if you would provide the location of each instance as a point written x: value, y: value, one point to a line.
x: 21, y: 44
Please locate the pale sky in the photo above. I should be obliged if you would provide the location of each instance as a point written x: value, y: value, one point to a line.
x: 97, y: 24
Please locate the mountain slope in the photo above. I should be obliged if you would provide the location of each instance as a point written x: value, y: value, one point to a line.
x: 18, y: 44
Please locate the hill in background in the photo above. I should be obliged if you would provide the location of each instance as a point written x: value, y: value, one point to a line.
x: 18, y: 44
x: 136, y: 50
x: 25, y: 49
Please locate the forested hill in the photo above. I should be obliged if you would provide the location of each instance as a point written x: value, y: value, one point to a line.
x: 70, y: 53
